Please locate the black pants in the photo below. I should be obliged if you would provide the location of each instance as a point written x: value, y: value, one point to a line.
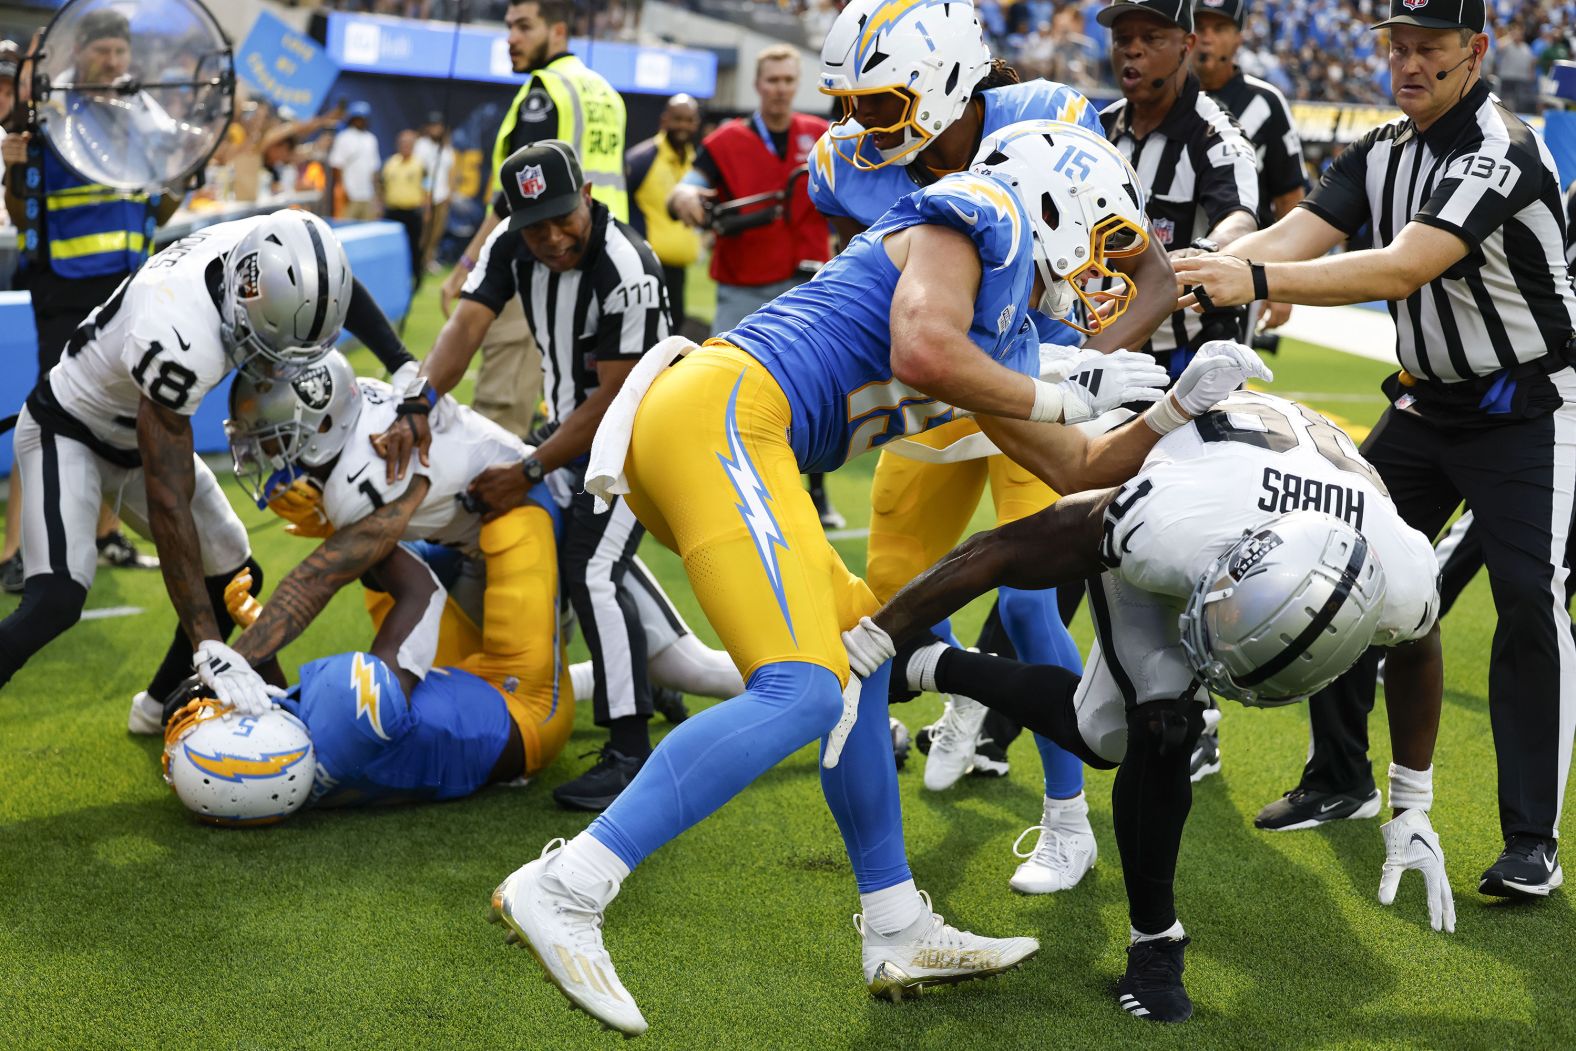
x: 673, y: 276
x: 1461, y: 556
x: 1517, y: 478
x: 60, y: 305
x: 410, y: 219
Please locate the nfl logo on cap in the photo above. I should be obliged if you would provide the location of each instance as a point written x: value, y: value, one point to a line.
x: 531, y: 181
x: 1413, y: 5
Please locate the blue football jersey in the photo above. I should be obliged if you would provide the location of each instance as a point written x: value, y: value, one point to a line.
x: 374, y: 746
x: 828, y: 342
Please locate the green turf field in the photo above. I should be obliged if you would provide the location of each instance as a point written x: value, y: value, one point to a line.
x: 123, y: 923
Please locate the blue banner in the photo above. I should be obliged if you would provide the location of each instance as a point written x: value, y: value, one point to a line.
x: 286, y: 67
x: 377, y: 44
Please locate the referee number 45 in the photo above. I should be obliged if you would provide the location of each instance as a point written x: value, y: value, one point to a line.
x: 1499, y: 173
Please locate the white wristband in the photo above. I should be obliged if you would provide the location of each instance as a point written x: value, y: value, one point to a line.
x: 921, y: 670
x: 1047, y: 402
x: 1165, y: 415
x: 1411, y: 789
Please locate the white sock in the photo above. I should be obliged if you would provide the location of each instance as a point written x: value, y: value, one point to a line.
x: 582, y: 680
x: 892, y: 909
x: 1067, y: 812
x: 921, y: 670
x: 1174, y: 931
x: 693, y: 667
x: 586, y: 865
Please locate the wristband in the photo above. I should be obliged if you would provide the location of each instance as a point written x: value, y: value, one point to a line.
x: 1165, y: 415
x: 466, y: 262
x: 1261, y: 283
x: 1411, y: 789
x: 414, y: 406
x: 1047, y: 402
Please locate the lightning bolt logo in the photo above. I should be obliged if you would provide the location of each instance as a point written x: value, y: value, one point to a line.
x: 994, y: 196
x: 363, y: 678
x: 754, y: 506
x: 885, y: 17
x: 238, y: 768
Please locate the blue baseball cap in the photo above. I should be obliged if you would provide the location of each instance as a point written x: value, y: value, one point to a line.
x: 358, y: 109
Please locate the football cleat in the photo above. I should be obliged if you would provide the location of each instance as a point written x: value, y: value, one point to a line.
x: 931, y: 952
x: 1064, y: 853
x: 669, y: 704
x: 116, y: 550
x: 900, y: 741
x: 989, y: 760
x: 596, y: 789
x: 1305, y: 808
x: 146, y: 717
x: 952, y: 743
x: 12, y: 578
x: 563, y: 930
x: 1206, y: 756
x: 1152, y: 987
x: 1529, y: 865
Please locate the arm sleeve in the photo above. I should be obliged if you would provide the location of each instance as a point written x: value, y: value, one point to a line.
x: 1283, y: 170
x: 492, y: 281
x: 1228, y: 174
x: 1341, y: 198
x: 366, y: 321
x: 1481, y: 190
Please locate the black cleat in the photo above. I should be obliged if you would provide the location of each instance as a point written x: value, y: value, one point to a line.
x: 1306, y: 808
x: 669, y: 704
x: 11, y: 579
x: 1206, y: 757
x: 596, y: 789
x: 990, y: 759
x: 1529, y: 865
x: 1152, y: 987
x: 116, y: 550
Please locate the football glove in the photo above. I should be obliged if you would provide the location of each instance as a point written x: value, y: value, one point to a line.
x: 301, y: 505
x: 239, y: 600
x: 868, y: 647
x: 232, y: 680
x: 1410, y: 842
x: 1108, y: 381
x: 1219, y: 367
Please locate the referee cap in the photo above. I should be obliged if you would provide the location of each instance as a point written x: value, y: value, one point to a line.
x: 1236, y: 10
x: 1177, y: 12
x: 541, y: 181
x: 1436, y: 14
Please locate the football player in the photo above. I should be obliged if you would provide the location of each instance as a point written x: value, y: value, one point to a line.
x: 923, y: 316
x: 1255, y: 555
x: 919, y: 91
x: 264, y: 295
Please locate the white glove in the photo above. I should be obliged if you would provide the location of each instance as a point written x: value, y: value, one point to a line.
x: 1058, y: 361
x: 1219, y: 368
x: 868, y: 647
x: 1410, y: 842
x: 1108, y: 381
x: 232, y: 680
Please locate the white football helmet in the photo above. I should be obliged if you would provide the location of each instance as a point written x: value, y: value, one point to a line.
x: 238, y: 771
x: 1284, y: 610
x: 1085, y: 206
x: 276, y: 425
x: 927, y: 54
x: 287, y: 286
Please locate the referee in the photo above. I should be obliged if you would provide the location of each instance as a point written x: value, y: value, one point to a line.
x: 1469, y: 248
x: 595, y: 300
x: 1194, y: 163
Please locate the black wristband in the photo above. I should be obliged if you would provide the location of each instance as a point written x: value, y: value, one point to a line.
x: 416, y: 406
x: 1261, y: 284
x: 1202, y: 298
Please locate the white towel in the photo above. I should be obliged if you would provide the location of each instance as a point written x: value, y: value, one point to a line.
x: 605, y: 473
x: 972, y: 446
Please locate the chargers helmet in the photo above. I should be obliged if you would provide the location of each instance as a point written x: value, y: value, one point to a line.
x: 1085, y: 207
x: 276, y: 425
x: 238, y: 771
x: 287, y: 286
x: 1286, y: 609
x: 927, y: 55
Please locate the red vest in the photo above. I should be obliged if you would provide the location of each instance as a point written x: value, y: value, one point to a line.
x: 770, y: 253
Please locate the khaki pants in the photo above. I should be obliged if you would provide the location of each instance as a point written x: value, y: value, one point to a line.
x: 361, y: 211
x: 509, y: 383
x: 438, y: 221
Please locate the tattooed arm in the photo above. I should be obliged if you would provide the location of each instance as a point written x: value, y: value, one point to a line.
x: 342, y: 558
x: 164, y: 438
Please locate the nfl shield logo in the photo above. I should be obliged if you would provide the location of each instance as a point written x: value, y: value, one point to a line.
x: 531, y: 181
x: 1413, y: 5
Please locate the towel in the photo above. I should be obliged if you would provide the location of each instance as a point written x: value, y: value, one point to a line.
x: 605, y: 473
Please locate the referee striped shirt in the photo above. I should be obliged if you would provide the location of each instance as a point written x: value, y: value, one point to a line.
x: 1266, y: 120
x: 613, y: 306
x: 1483, y: 175
x: 1197, y: 168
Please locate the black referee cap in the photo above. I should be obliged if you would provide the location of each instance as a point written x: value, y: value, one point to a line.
x: 541, y: 181
x: 1236, y: 10
x: 1177, y: 12
x: 1436, y: 14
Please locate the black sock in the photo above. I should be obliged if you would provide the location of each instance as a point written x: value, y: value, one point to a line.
x: 628, y: 735
x: 176, y: 667
x: 1150, y: 800
x: 1037, y: 696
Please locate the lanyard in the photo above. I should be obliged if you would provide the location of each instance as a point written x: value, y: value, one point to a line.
x: 766, y: 135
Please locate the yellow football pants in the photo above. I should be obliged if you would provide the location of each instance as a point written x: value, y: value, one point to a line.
x: 712, y: 477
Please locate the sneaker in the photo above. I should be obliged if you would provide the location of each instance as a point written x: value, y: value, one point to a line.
x: 116, y: 550
x: 951, y: 752
x: 1063, y: 854
x: 1152, y: 987
x: 11, y: 578
x: 1529, y: 865
x: 147, y: 716
x: 1206, y: 756
x: 563, y: 930
x: 596, y: 789
x: 930, y: 952
x: 900, y: 741
x: 990, y: 759
x: 669, y: 704
x: 1304, y: 808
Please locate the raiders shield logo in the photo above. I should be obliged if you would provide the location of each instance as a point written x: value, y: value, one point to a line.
x: 1252, y: 553
x: 315, y: 388
x: 248, y: 280
x: 531, y: 181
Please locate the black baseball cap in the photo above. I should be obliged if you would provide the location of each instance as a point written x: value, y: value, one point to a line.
x: 1436, y: 14
x: 1177, y: 12
x: 541, y: 181
x: 1236, y: 10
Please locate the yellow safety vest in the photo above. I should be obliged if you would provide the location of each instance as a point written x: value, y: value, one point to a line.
x: 590, y: 118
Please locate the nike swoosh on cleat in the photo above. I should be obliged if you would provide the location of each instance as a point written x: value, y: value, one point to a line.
x: 1325, y: 808
x: 1550, y: 860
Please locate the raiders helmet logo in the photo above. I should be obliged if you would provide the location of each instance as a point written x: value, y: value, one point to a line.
x: 315, y: 388
x: 1252, y: 553
x: 248, y: 278
x: 531, y: 181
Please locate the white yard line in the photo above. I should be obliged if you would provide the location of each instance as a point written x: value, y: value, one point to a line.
x: 109, y: 612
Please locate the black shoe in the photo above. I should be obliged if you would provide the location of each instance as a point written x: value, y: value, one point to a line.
x: 596, y: 789
x: 669, y: 704
x: 1152, y: 987
x: 900, y: 741
x: 116, y: 550
x: 1529, y: 865
x: 11, y: 580
x: 990, y: 759
x: 1306, y: 808
x: 1206, y: 757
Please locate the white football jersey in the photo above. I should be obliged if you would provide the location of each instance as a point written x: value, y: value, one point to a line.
x: 1251, y: 458
x: 157, y: 335
x: 465, y: 446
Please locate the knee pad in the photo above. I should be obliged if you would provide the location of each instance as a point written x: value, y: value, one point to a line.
x: 811, y: 689
x: 1169, y: 727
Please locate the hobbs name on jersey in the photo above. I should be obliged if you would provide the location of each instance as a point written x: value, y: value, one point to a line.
x: 1285, y: 492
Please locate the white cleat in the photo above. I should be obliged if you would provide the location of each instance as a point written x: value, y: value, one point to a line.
x: 1064, y: 853
x: 563, y: 930
x: 952, y: 743
x: 147, y: 716
x: 930, y: 952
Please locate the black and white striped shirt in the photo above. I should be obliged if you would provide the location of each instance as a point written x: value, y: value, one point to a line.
x: 613, y: 306
x: 1265, y: 117
x: 1198, y: 168
x: 1483, y: 175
